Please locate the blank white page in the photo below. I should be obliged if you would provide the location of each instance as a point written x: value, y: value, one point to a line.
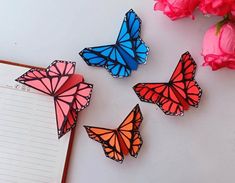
x: 30, y: 151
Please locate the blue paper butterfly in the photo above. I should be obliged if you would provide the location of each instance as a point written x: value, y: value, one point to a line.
x: 124, y: 56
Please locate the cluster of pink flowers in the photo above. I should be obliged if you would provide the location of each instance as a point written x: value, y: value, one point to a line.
x: 219, y: 40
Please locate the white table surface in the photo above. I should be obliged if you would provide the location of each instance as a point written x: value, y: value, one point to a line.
x: 197, y: 148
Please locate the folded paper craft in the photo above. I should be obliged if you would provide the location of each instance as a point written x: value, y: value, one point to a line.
x: 178, y: 94
x: 123, y: 56
x: 70, y: 93
x: 122, y: 140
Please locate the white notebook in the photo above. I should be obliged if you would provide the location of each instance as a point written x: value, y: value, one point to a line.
x: 30, y: 151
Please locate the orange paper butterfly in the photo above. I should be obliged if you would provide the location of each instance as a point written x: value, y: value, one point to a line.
x: 121, y: 141
x: 178, y: 94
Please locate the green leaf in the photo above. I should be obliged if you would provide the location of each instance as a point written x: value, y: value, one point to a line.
x: 220, y: 24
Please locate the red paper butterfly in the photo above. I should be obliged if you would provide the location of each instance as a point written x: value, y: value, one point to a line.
x: 178, y: 94
x: 70, y: 93
x: 121, y: 141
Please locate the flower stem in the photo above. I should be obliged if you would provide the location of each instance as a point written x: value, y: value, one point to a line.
x: 220, y: 24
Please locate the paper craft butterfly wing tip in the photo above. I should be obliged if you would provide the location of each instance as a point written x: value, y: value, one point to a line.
x: 118, y: 158
x: 70, y: 123
x: 59, y: 136
x: 185, y: 67
x: 83, y: 96
x: 144, y: 93
x: 138, y: 116
x: 18, y: 80
x: 37, y: 79
x: 187, y: 56
x: 21, y: 78
x: 141, y: 50
x: 194, y: 93
x: 134, y: 118
x: 91, y: 134
x: 60, y: 133
x: 133, y: 24
x: 136, y: 144
x: 113, y: 153
x: 137, y: 107
x: 86, y: 56
x: 87, y: 129
x: 170, y: 107
x: 60, y: 68
x: 137, y: 89
x: 28, y: 75
x: 118, y: 71
x: 98, y: 134
x: 96, y: 56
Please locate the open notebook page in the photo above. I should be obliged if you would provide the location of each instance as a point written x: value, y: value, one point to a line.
x: 30, y: 151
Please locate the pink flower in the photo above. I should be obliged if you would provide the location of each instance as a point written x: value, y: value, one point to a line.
x: 233, y: 10
x: 176, y: 9
x: 219, y: 49
x: 216, y: 7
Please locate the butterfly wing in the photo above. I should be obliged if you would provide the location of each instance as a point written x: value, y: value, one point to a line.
x: 48, y: 80
x: 185, y: 69
x: 109, y: 140
x: 37, y: 79
x: 141, y: 51
x: 63, y: 105
x: 70, y: 123
x: 183, y: 81
x: 107, y: 57
x: 83, y: 96
x: 131, y: 140
x: 133, y: 24
x: 160, y: 94
x: 60, y: 67
x: 81, y: 101
x: 129, y: 39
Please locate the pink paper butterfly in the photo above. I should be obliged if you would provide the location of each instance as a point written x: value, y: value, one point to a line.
x: 70, y: 93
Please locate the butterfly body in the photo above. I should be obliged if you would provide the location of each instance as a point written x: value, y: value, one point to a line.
x: 130, y: 61
x: 176, y: 96
x: 70, y: 93
x: 121, y: 141
x: 181, y: 99
x: 125, y: 55
x: 123, y: 146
